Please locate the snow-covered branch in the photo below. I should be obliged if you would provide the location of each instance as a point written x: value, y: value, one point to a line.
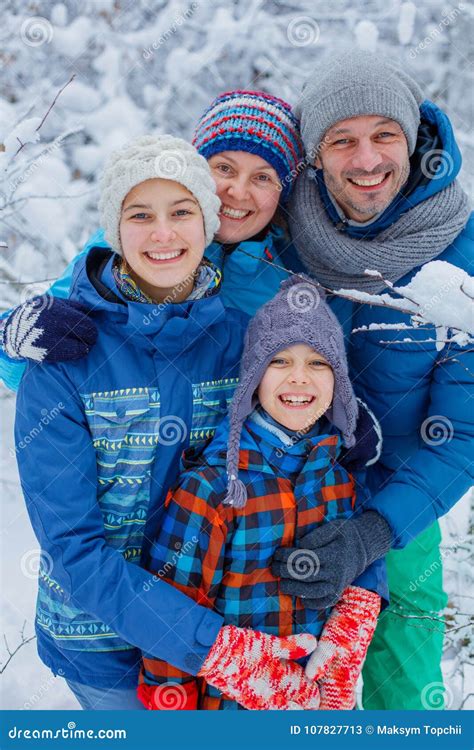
x: 439, y: 297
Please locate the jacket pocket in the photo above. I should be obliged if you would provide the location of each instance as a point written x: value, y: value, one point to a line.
x: 125, y: 426
x: 130, y: 415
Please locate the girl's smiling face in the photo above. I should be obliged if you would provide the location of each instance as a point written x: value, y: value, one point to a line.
x: 249, y: 191
x: 162, y: 237
x: 297, y: 387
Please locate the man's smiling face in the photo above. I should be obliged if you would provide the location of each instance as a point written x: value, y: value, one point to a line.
x: 365, y: 163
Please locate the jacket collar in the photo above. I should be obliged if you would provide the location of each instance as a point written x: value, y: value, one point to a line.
x: 94, y: 286
x: 318, y: 449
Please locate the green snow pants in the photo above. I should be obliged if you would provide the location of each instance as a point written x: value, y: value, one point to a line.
x: 403, y: 665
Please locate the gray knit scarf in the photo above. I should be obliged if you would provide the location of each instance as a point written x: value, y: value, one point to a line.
x: 338, y: 261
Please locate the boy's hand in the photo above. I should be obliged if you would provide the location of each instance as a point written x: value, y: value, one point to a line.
x: 48, y: 329
x: 337, y: 661
x: 257, y: 670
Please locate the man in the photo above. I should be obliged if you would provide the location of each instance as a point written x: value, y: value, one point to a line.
x: 380, y: 193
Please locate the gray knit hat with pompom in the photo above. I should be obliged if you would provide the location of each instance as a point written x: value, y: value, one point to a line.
x: 149, y: 157
x: 298, y: 314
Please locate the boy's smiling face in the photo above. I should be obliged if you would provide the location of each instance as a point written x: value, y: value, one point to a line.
x: 297, y: 387
x: 162, y: 237
x: 249, y: 190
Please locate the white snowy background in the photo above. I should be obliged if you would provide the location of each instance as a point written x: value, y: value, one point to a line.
x: 153, y: 67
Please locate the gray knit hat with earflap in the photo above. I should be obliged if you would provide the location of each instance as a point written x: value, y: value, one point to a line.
x: 149, y: 157
x: 298, y: 314
x: 357, y: 83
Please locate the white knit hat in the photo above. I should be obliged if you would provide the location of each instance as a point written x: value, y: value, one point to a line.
x: 147, y: 158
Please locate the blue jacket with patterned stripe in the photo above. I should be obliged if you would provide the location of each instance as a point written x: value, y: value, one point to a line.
x: 98, y: 443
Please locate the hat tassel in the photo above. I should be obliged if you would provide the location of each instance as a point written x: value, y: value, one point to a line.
x: 236, y: 493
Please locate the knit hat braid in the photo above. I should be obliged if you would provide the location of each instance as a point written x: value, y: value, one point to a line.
x: 257, y: 123
x: 150, y: 157
x: 298, y: 314
x: 357, y: 83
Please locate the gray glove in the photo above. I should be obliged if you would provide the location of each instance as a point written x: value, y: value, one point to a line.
x: 331, y: 557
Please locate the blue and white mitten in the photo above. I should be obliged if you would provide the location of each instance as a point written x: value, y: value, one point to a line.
x: 48, y: 329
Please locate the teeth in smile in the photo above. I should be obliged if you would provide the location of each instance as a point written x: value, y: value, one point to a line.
x: 164, y: 256
x: 233, y: 213
x: 368, y: 183
x: 296, y: 399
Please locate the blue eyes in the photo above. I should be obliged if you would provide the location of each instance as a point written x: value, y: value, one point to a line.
x: 179, y: 213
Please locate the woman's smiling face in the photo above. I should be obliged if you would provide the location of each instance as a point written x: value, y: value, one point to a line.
x: 249, y: 190
x: 162, y: 237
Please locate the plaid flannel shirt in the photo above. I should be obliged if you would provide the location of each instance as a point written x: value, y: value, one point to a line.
x: 221, y: 556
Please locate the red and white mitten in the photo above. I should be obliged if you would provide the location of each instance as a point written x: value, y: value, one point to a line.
x: 338, y: 659
x: 257, y: 670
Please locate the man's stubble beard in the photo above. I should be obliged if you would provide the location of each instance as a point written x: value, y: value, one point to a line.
x: 367, y: 209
